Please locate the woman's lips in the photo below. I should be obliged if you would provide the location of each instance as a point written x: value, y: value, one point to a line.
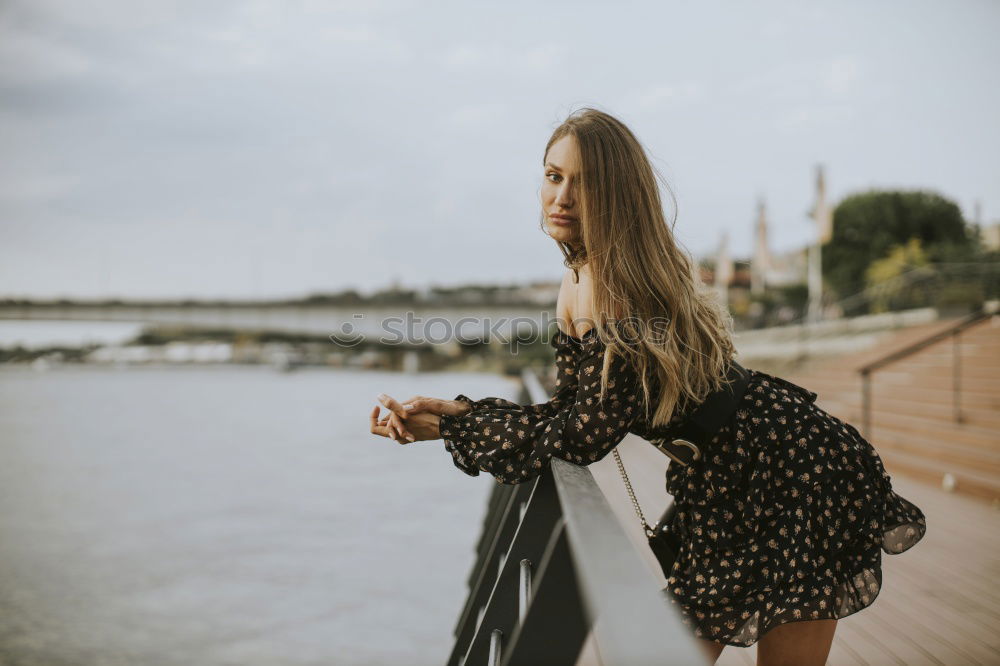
x: 562, y: 221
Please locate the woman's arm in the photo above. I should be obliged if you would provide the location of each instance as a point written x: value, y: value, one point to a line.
x: 515, y: 442
x: 568, y: 351
x: 566, y: 346
x: 395, y: 424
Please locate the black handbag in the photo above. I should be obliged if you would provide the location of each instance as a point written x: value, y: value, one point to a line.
x: 678, y: 443
x: 664, y: 542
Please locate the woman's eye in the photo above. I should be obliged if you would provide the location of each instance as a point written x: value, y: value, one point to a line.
x: 552, y: 174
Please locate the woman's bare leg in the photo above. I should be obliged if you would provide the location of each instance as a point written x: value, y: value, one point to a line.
x: 710, y: 648
x: 803, y: 643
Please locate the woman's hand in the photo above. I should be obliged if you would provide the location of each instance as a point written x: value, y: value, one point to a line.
x: 419, y: 427
x: 418, y: 404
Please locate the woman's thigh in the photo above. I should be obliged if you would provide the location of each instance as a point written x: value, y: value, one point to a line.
x: 803, y: 643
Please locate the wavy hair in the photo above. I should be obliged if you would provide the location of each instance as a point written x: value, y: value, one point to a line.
x: 649, y: 304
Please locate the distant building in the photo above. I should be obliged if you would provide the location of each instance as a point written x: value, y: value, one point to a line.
x: 788, y: 268
x: 773, y: 269
x: 989, y: 234
x: 724, y: 269
x: 760, y: 264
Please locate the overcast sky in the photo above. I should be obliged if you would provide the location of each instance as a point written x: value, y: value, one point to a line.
x: 282, y: 148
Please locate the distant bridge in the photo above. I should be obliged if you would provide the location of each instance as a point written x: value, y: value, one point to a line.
x: 416, y: 324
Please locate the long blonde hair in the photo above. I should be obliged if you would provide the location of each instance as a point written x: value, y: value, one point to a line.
x: 670, y: 325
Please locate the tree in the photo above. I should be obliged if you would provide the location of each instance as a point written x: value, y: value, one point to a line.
x: 882, y: 273
x: 866, y: 226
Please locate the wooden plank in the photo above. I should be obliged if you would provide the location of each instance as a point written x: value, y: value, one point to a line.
x: 959, y: 603
x: 983, y: 643
x: 984, y: 599
x: 940, y: 572
x: 946, y: 646
x: 874, y: 650
x: 902, y: 646
x: 842, y: 655
x: 850, y: 655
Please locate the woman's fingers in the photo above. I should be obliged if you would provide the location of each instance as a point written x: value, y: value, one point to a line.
x: 384, y: 427
x: 397, y: 426
x: 397, y: 414
x: 378, y: 427
x: 391, y: 403
x: 390, y: 426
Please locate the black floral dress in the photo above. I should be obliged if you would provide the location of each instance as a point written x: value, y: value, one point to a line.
x: 785, y: 520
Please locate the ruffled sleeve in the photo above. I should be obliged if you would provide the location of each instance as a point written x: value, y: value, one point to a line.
x: 568, y: 351
x: 515, y: 442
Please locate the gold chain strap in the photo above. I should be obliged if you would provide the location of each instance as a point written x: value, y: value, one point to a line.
x: 628, y: 486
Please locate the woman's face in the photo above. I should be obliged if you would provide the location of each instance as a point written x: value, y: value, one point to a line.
x: 560, y: 190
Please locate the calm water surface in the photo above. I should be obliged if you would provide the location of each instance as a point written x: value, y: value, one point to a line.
x: 227, y: 515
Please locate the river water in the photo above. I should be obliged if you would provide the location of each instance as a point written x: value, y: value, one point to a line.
x: 228, y: 515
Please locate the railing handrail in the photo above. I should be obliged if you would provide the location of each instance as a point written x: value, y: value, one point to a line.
x: 553, y: 559
x: 985, y: 311
x: 638, y: 625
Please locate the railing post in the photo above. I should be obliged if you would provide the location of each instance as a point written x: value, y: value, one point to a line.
x: 496, y: 637
x: 956, y: 375
x: 524, y: 589
x: 866, y: 402
x: 803, y: 343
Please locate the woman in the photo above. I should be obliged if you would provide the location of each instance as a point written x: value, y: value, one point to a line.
x: 784, y: 520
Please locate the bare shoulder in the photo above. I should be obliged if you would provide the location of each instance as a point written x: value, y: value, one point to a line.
x: 573, y: 306
x: 564, y: 311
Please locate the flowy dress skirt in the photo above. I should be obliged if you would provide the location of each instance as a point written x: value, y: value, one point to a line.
x: 785, y: 519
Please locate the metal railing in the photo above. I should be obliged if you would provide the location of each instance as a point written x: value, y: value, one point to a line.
x: 954, y: 332
x: 552, y: 559
x: 940, y: 285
